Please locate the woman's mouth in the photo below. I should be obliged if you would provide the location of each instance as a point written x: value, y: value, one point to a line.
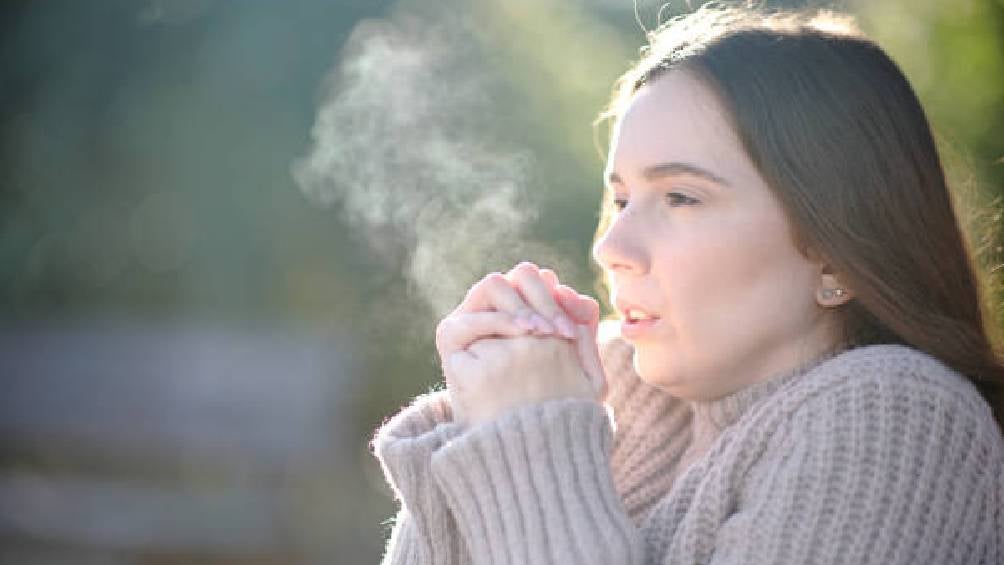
x: 637, y: 323
x: 636, y: 315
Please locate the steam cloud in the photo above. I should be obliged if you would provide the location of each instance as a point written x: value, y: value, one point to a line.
x: 403, y: 146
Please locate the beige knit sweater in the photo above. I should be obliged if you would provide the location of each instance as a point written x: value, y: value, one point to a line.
x: 879, y: 454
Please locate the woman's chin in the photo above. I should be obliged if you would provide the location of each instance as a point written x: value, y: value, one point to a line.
x: 673, y: 380
x: 657, y: 374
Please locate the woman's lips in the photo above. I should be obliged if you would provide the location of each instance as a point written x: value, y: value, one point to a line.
x: 636, y: 321
x: 633, y: 329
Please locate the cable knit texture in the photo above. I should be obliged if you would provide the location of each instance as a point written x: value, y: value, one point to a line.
x: 878, y: 454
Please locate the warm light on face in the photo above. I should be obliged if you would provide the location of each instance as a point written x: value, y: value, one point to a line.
x: 711, y: 290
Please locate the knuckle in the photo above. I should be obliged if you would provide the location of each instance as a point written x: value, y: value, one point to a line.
x: 467, y: 297
x: 523, y: 270
x: 472, y: 291
x: 516, y: 274
x: 493, y: 283
x: 485, y: 281
x: 443, y: 328
x: 493, y: 278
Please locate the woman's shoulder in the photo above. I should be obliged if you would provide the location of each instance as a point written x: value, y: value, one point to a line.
x: 894, y: 369
x: 890, y: 390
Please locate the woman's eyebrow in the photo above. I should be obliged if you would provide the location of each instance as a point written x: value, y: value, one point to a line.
x: 662, y: 170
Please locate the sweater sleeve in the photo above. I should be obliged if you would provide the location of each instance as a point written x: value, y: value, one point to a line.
x: 891, y: 472
x: 424, y: 530
x: 534, y: 486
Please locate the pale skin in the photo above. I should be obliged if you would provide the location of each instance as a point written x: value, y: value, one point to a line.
x: 713, y: 294
x: 517, y: 339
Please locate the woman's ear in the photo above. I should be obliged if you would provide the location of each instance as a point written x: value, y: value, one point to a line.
x: 831, y: 292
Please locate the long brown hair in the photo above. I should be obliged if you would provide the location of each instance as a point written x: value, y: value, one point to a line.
x: 838, y: 134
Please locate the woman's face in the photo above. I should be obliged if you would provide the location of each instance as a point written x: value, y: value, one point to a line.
x: 711, y: 290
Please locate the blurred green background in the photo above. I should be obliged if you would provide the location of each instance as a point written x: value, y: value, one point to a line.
x: 228, y: 228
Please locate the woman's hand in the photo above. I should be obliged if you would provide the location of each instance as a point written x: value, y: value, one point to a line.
x: 517, y: 339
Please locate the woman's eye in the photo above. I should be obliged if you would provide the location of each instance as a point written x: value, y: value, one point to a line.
x: 677, y: 199
x: 620, y: 202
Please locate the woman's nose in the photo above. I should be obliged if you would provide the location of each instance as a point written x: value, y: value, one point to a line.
x: 619, y: 249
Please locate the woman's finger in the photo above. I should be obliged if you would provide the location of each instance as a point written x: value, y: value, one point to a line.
x: 494, y: 293
x: 550, y: 278
x: 583, y: 309
x: 589, y: 357
x: 538, y: 295
x: 458, y: 331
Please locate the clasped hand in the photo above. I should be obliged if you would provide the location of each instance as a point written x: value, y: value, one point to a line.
x: 518, y: 339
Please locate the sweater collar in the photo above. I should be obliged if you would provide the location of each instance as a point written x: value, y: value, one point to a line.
x: 710, y: 417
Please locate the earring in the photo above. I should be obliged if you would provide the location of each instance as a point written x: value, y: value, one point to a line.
x: 829, y: 293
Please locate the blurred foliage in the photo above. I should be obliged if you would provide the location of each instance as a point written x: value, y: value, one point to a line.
x: 146, y: 152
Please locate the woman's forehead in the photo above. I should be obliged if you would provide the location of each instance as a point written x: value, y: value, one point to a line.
x: 676, y: 118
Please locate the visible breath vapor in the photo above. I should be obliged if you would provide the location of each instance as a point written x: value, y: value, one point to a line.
x: 404, y: 147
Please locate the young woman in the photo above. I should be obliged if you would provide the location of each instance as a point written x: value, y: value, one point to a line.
x: 801, y: 373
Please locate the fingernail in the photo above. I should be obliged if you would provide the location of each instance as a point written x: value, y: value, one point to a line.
x: 564, y: 326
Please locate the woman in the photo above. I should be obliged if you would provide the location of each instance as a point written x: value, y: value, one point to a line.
x: 801, y: 373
